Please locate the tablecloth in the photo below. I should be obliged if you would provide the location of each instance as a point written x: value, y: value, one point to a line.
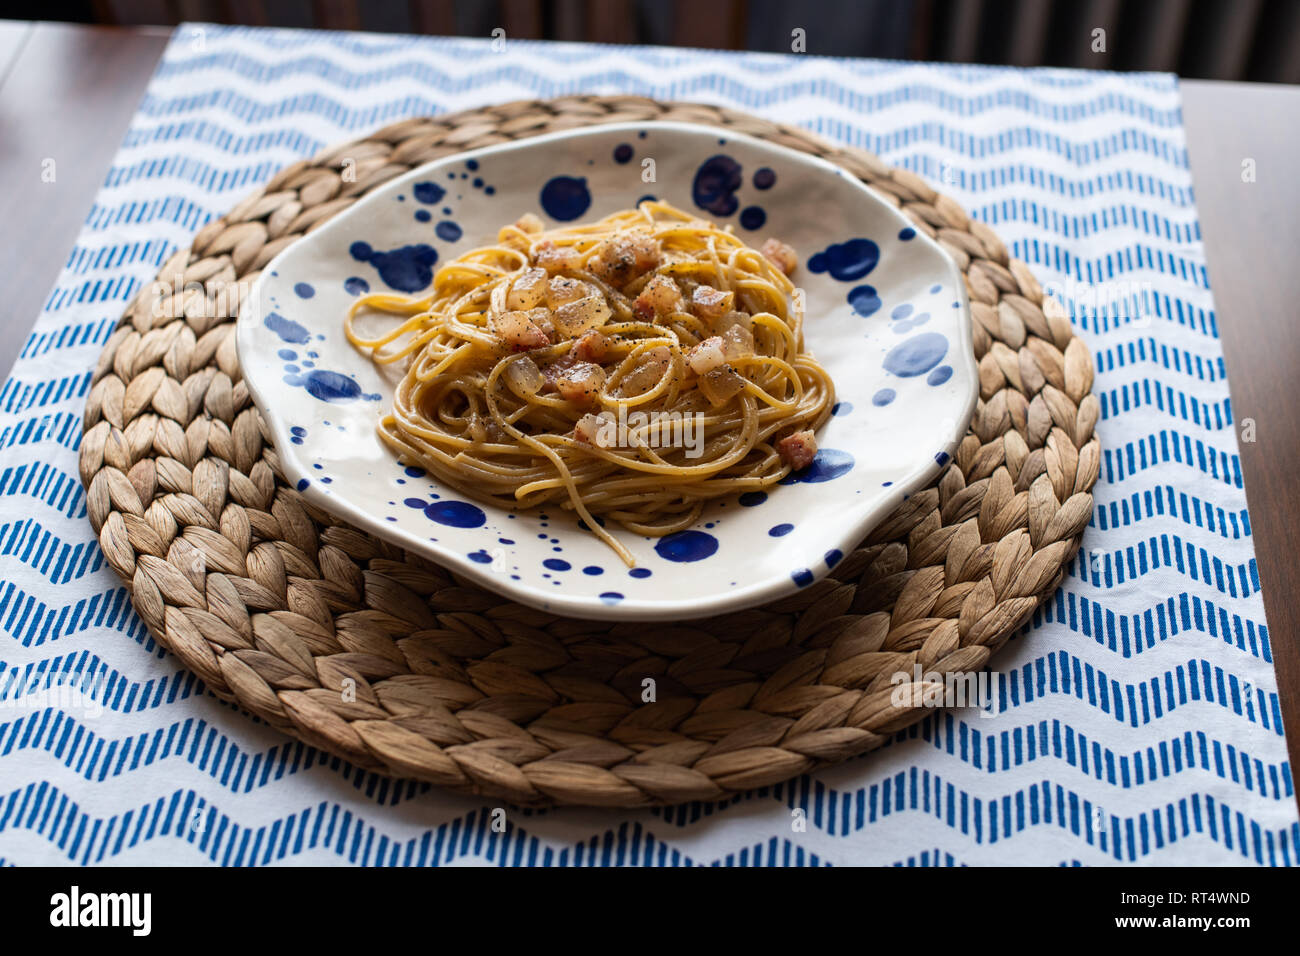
x: 1135, y: 720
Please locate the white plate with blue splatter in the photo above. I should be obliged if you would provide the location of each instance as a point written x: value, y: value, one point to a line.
x: 887, y: 317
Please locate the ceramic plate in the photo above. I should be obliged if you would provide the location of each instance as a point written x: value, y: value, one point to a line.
x: 887, y: 317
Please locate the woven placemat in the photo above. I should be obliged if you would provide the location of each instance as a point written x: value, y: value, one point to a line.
x: 400, y: 667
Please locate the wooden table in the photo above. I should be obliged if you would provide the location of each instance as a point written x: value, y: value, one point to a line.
x: 68, y: 92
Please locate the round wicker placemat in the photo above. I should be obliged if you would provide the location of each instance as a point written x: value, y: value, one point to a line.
x: 396, y: 665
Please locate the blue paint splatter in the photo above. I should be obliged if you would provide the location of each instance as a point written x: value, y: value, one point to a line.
x: 715, y: 185
x: 780, y: 530
x: 751, y: 499
x: 303, y: 483
x: 423, y: 215
x: 623, y: 153
x: 429, y: 192
x: 593, y: 570
x: 327, y: 386
x: 471, y: 164
x: 883, y: 397
x: 556, y: 564
x: 935, y: 288
x: 456, y: 514
x: 864, y: 300
x: 686, y: 546
x: 304, y: 290
x: 480, y: 556
x: 646, y: 198
x: 408, y: 269
x: 287, y: 354
x: 753, y: 217
x: 764, y: 178
x: 941, y: 458
x: 829, y: 463
x: 907, y: 234
x: 840, y: 409
x: 287, y: 329
x: 917, y: 355
x: 611, y: 597
x: 803, y: 577
x: 833, y: 556
x: 939, y: 375
x: 565, y: 197
x: 901, y: 311
x: 412, y: 471
x: 447, y: 231
x: 640, y: 573
x: 847, y: 261
x: 355, y: 285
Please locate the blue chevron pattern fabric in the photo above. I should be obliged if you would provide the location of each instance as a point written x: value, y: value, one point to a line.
x: 1135, y: 720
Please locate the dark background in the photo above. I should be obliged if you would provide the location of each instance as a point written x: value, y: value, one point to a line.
x: 1219, y: 39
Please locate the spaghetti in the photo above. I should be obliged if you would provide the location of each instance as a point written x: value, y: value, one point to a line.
x: 631, y: 369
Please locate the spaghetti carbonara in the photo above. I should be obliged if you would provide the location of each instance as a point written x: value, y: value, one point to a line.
x: 630, y: 369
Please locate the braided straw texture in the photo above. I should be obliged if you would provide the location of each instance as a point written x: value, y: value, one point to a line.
x: 400, y: 667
